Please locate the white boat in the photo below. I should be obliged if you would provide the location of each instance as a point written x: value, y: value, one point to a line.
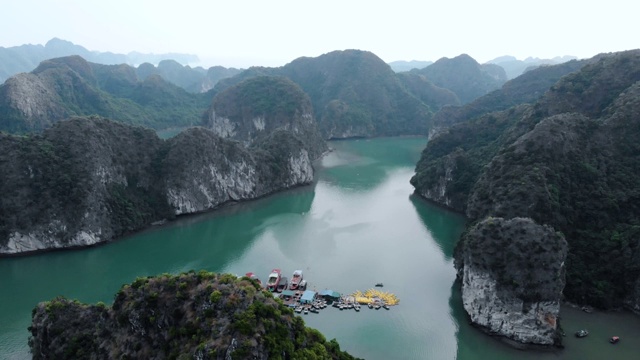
x: 296, y: 279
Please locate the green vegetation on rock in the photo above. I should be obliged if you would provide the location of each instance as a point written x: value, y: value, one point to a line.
x: 70, y: 86
x: 569, y: 160
x: 353, y: 93
x: 90, y: 180
x: 191, y: 315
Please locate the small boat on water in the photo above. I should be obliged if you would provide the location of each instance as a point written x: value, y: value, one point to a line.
x: 306, y: 311
x: 385, y: 306
x: 274, y: 280
x: 379, y: 285
x: 614, y: 339
x: 357, y: 308
x: 298, y: 309
x: 370, y: 305
x: 302, y: 285
x: 582, y: 333
x: 376, y: 306
x: 283, y: 284
x: 296, y: 279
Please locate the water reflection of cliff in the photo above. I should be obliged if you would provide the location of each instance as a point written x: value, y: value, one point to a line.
x: 445, y: 226
x: 224, y: 235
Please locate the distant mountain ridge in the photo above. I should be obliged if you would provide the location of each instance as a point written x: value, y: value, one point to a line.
x: 514, y: 67
x: 71, y: 86
x: 354, y: 94
x: 25, y: 58
x: 402, y: 65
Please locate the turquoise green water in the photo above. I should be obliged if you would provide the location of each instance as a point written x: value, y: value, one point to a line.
x: 356, y: 226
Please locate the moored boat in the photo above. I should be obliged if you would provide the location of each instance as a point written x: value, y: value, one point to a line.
x: 582, y: 333
x: 283, y: 284
x: 296, y: 279
x: 274, y: 280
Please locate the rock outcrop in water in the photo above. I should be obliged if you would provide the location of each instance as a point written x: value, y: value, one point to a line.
x: 90, y: 180
x: 568, y: 161
x: 196, y: 316
x: 512, y: 274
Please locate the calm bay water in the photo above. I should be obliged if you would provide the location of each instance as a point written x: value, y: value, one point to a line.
x: 356, y: 226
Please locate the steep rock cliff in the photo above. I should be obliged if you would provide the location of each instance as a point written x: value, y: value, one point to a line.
x: 251, y: 110
x: 202, y: 316
x: 569, y: 161
x: 90, y: 180
x: 512, y: 274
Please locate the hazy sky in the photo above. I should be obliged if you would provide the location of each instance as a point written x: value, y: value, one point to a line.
x: 271, y: 33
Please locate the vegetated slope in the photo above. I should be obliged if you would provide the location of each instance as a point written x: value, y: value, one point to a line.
x: 571, y: 161
x: 434, y: 96
x: 70, y: 86
x: 200, y: 316
x: 525, y: 89
x: 254, y: 108
x: 464, y: 76
x: 90, y: 180
x: 25, y: 58
x: 353, y: 93
x: 463, y: 150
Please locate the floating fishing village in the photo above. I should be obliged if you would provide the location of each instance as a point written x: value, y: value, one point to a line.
x: 294, y: 294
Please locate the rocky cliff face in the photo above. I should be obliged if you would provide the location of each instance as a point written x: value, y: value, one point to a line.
x: 565, y: 161
x: 250, y: 111
x: 90, y: 180
x: 200, y: 316
x: 512, y: 274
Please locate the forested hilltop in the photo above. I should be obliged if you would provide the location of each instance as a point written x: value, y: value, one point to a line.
x: 71, y: 86
x: 569, y: 160
x: 355, y: 94
x: 199, y: 316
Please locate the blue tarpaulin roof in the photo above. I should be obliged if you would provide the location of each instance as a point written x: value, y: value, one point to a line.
x: 307, y: 296
x: 331, y: 293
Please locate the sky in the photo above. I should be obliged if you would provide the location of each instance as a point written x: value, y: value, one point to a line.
x: 242, y: 33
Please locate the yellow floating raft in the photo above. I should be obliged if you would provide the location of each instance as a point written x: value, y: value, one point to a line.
x: 374, y: 295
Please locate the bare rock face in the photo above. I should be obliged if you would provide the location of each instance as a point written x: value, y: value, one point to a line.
x: 512, y: 274
x: 251, y: 110
x: 219, y: 170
